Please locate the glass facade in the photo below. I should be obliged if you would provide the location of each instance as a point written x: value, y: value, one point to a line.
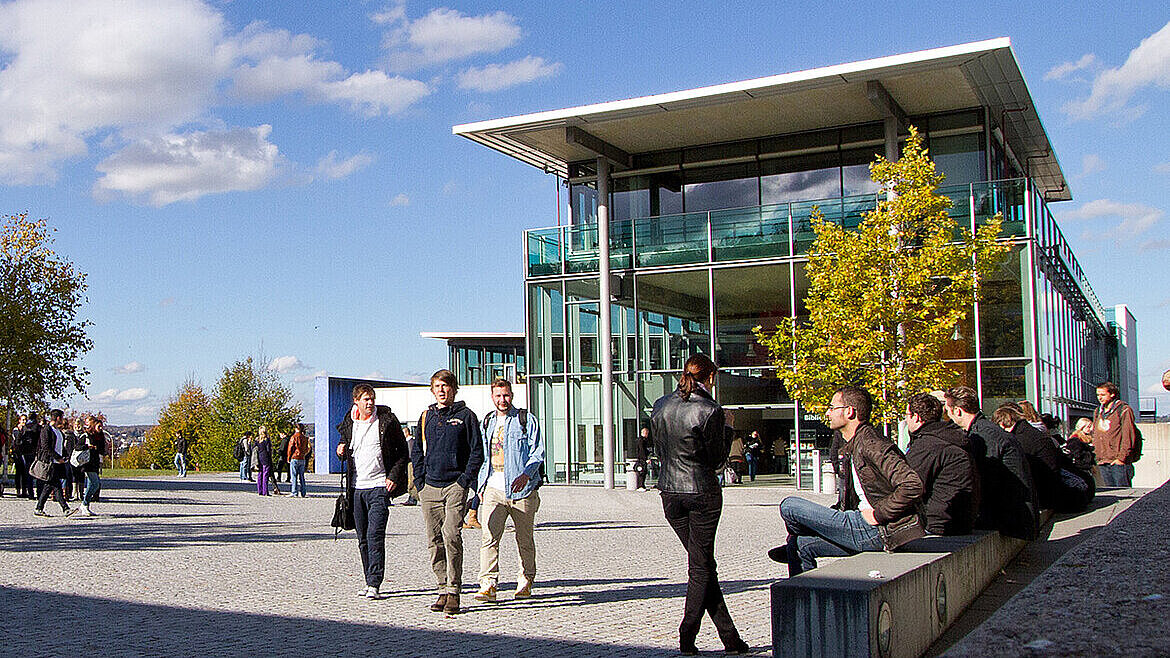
x: 705, y: 252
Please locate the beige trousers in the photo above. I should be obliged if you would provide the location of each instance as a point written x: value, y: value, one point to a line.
x: 442, y: 512
x: 494, y: 510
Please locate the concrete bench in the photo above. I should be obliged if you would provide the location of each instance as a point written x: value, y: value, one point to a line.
x: 840, y: 609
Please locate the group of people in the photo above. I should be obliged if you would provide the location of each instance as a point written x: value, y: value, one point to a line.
x: 500, y: 460
x: 961, y: 471
x: 55, y: 457
x: 254, y: 451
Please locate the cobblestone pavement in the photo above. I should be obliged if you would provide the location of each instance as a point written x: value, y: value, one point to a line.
x: 203, y: 566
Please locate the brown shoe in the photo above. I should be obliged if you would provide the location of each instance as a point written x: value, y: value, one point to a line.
x: 439, y: 605
x: 486, y: 594
x: 452, y: 606
x: 472, y: 522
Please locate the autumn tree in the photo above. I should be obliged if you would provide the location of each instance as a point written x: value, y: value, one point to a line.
x: 246, y: 396
x: 41, y: 338
x: 188, y: 411
x: 885, y: 299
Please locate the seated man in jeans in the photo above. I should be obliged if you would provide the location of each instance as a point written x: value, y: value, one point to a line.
x: 877, y: 505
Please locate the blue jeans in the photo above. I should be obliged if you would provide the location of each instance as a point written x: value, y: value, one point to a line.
x: 297, y: 470
x: 370, y: 514
x: 1117, y: 475
x: 92, y: 484
x: 751, y: 463
x: 245, y: 470
x: 816, y: 531
x: 181, y: 464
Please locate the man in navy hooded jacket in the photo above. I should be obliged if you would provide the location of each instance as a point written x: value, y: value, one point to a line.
x: 447, y: 457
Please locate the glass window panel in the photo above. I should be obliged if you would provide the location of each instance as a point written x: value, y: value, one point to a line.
x: 1004, y: 381
x: 546, y: 327
x: 583, y: 203
x: 675, y: 323
x: 797, y: 178
x: 715, y: 188
x: 959, y: 157
x: 855, y: 163
x: 548, y: 404
x: 666, y: 194
x: 747, y: 297
x: 801, y: 141
x: 631, y: 198
x: 743, y: 386
x: 1001, y: 309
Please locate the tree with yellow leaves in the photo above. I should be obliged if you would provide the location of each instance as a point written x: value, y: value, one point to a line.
x: 41, y: 337
x: 884, y: 299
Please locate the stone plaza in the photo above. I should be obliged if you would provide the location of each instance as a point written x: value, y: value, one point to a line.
x: 204, y: 566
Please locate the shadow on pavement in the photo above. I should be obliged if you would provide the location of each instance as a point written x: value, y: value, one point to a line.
x: 156, y: 630
x: 91, y: 534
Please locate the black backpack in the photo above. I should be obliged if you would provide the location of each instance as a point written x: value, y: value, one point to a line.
x: 522, y: 415
x: 238, y: 452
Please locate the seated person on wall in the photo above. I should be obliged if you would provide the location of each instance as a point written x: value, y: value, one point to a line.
x: 938, y: 453
x: 1008, y: 497
x: 1059, y: 485
x: 877, y: 504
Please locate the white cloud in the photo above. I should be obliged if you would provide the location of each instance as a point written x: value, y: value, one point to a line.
x: 107, y: 395
x: 495, y: 77
x: 400, y: 200
x: 1091, y: 164
x: 146, y: 411
x: 377, y: 374
x: 130, y: 368
x: 286, y: 364
x: 1162, y: 167
x: 390, y: 15
x: 1135, y: 217
x: 184, y: 167
x: 80, y: 74
x: 1147, y: 65
x: 166, y: 301
x: 331, y: 168
x: 1062, y: 71
x: 132, y: 395
x: 301, y: 379
x: 446, y: 34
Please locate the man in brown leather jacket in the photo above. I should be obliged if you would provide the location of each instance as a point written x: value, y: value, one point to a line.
x: 877, y: 504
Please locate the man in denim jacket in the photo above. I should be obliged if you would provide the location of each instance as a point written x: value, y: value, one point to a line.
x: 513, y: 453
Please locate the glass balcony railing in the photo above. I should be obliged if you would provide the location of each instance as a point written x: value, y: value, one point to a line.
x: 751, y: 233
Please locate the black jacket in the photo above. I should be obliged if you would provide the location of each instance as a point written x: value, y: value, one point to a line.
x: 690, y: 441
x: 938, y: 453
x: 1045, y: 460
x: 97, y: 441
x: 1009, y: 501
x: 453, y: 451
x: 27, y: 439
x: 892, y: 488
x: 392, y: 442
x: 47, y: 445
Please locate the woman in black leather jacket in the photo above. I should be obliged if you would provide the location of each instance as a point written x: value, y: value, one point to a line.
x: 692, y: 442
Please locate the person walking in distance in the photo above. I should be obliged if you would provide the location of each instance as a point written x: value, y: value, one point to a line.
x: 447, y: 456
x: 93, y: 440
x: 282, y: 466
x: 513, y: 453
x: 691, y: 441
x: 50, y: 449
x: 298, y: 456
x: 180, y: 453
x: 375, y: 455
x: 642, y: 458
x: 244, y: 451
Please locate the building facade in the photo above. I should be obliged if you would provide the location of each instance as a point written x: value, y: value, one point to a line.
x: 706, y: 195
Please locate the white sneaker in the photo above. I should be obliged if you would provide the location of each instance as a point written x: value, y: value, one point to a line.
x: 84, y: 511
x: 372, y: 593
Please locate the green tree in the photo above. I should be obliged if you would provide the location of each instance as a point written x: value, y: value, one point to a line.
x: 189, y: 410
x: 245, y: 397
x: 885, y: 299
x: 41, y: 337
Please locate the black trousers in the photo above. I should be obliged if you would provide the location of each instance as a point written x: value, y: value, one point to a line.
x: 695, y: 518
x: 370, y: 513
x: 53, y: 487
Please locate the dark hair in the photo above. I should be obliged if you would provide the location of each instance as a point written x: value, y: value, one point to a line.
x: 362, y: 389
x: 500, y: 382
x: 1110, y: 387
x: 445, y: 376
x: 858, y: 398
x: 1050, y: 421
x: 1007, y: 415
x: 963, y: 397
x: 56, y: 414
x: 698, y: 369
x: 1029, y: 412
x: 300, y: 427
x: 925, y: 406
x: 247, y: 434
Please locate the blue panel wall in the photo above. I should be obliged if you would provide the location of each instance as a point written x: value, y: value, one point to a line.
x: 332, y: 399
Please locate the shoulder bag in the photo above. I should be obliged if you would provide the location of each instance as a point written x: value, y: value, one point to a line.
x: 343, y: 508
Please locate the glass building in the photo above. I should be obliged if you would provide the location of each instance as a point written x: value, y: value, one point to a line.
x: 706, y: 195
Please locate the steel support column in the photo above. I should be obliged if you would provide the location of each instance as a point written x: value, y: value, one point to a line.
x: 604, y: 323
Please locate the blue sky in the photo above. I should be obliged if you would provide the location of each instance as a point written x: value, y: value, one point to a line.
x: 246, y: 177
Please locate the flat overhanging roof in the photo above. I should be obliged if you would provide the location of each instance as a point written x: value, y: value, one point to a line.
x: 980, y: 74
x: 472, y: 335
